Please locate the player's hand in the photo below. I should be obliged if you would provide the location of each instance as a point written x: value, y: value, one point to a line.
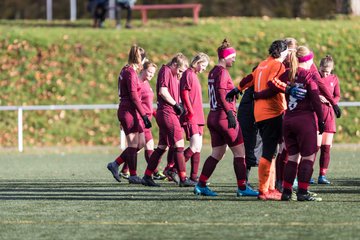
x: 231, y: 119
x: 321, y: 126
x: 147, y: 122
x: 337, y: 111
x: 154, y: 113
x: 233, y: 93
x: 179, y: 109
x: 296, y: 92
x: 189, y: 116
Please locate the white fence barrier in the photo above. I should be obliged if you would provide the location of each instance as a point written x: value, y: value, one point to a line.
x: 20, y: 110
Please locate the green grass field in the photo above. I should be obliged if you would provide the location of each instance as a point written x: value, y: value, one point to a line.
x: 49, y: 193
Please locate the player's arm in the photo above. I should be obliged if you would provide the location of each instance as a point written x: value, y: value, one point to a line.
x: 337, y: 91
x: 165, y: 94
x: 313, y: 91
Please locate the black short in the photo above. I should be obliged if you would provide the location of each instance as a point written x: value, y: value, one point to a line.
x: 270, y: 132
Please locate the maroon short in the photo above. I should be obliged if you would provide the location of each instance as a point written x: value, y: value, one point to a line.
x: 192, y: 129
x: 220, y: 133
x: 300, y: 134
x: 129, y: 120
x: 329, y: 118
x: 170, y: 130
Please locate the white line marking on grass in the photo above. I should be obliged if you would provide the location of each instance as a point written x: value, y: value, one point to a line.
x: 282, y: 224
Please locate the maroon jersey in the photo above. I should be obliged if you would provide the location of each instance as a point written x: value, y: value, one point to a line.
x: 220, y: 79
x: 330, y: 85
x: 167, y: 79
x: 190, y: 82
x: 128, y: 87
x: 147, y: 97
x: 308, y: 80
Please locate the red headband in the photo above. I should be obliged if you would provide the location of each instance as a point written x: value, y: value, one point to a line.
x: 225, y: 53
x: 306, y: 57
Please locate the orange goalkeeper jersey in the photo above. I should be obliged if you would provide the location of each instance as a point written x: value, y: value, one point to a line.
x: 268, y: 70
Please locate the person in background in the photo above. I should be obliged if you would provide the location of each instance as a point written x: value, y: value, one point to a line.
x: 300, y: 128
x: 98, y: 9
x: 129, y: 112
x: 167, y: 117
x: 193, y: 121
x: 224, y: 129
x: 127, y: 5
x: 328, y: 83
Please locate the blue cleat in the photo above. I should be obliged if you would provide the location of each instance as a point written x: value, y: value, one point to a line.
x: 312, y: 181
x: 322, y: 180
x: 204, y: 191
x: 247, y: 192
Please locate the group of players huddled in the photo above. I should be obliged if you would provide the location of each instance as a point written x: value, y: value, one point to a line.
x: 294, y: 107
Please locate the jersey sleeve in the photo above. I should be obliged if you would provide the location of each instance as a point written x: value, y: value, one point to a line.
x: 164, y: 78
x: 336, y: 91
x: 185, y: 81
x: 132, y: 84
x: 313, y: 90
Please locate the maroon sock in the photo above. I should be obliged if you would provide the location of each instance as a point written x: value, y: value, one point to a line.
x: 180, y: 160
x: 324, y: 159
x: 240, y: 171
x: 290, y: 171
x: 154, y: 161
x: 170, y: 158
x: 195, y: 162
x: 188, y: 154
x: 131, y: 160
x: 208, y: 169
x: 119, y: 160
x: 147, y: 154
x: 304, y: 173
x: 281, y: 160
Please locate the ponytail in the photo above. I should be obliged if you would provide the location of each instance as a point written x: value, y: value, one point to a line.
x: 294, y: 64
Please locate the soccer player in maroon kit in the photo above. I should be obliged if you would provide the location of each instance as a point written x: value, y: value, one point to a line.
x: 299, y: 127
x: 129, y: 112
x: 329, y: 96
x: 167, y: 118
x: 147, y: 97
x: 193, y: 121
x: 224, y: 129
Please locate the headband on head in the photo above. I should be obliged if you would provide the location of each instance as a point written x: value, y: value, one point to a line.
x: 306, y: 57
x: 226, y: 53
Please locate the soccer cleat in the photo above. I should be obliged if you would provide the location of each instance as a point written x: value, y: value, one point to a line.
x: 158, y: 176
x: 307, y: 197
x: 204, y: 191
x: 114, y: 168
x: 247, y: 192
x: 286, y: 196
x: 274, y: 195
x: 313, y: 194
x: 312, y: 181
x: 187, y: 183
x: 124, y: 175
x: 175, y: 177
x: 148, y: 181
x: 166, y: 172
x: 135, y: 180
x: 323, y: 180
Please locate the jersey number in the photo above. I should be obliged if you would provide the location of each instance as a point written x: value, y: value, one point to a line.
x: 212, y: 97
